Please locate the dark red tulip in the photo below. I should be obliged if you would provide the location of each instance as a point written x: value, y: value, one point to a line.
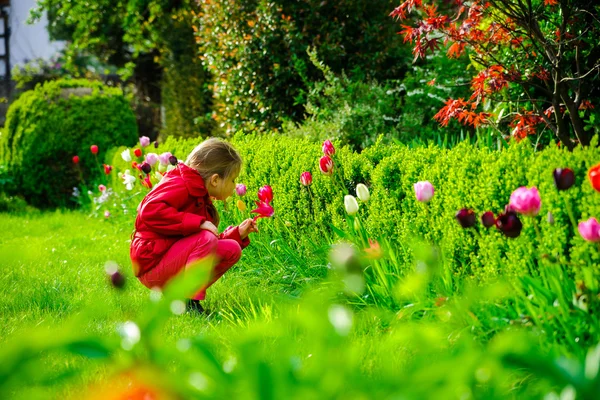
x: 173, y: 160
x: 145, y: 167
x: 107, y: 169
x: 509, y: 224
x: 564, y: 178
x: 155, y: 144
x: 488, y: 220
x: 466, y: 218
x: 117, y: 279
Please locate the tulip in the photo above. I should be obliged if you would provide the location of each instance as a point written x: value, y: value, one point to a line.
x: 106, y: 214
x: 126, y: 155
x: 328, y: 148
x: 137, y: 152
x: 145, y: 167
x: 466, y: 218
x: 590, y: 230
x: 151, y: 158
x: 263, y: 210
x: 241, y: 205
x: 526, y: 201
x: 155, y: 144
x: 488, y: 220
x: 117, y: 279
x: 94, y: 149
x: 509, y: 224
x: 107, y: 169
x: 164, y: 158
x: 350, y: 204
x: 135, y: 165
x: 424, y: 191
x: 564, y: 178
x: 173, y: 160
x: 101, y: 188
x: 144, y: 141
x: 240, y: 189
x: 146, y: 182
x: 265, y: 194
x: 374, y: 250
x: 75, y: 159
x: 362, y: 192
x: 326, y: 165
x: 594, y: 177
x: 306, y: 178
x: 128, y: 180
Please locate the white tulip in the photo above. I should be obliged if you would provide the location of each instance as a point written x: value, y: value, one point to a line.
x: 362, y: 192
x: 350, y: 204
x: 126, y: 155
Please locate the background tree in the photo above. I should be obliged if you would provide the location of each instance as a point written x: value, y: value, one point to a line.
x: 537, y: 62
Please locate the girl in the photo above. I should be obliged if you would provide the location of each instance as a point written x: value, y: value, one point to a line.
x: 177, y: 223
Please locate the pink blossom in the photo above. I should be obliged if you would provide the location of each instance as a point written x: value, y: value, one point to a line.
x: 306, y: 178
x: 424, y: 191
x: 328, y: 148
x: 144, y: 141
x: 590, y: 230
x: 526, y: 201
x: 326, y: 165
x: 151, y: 158
x: 240, y: 189
x: 265, y: 194
x: 164, y: 158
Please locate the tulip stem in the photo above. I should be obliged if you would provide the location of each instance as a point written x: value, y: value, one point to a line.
x: 537, y: 229
x: 570, y: 213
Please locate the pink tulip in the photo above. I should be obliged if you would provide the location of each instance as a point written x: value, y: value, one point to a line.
x: 590, y: 230
x: 326, y: 165
x: 144, y: 141
x: 101, y: 188
x: 164, y: 158
x: 328, y: 148
x: 526, y: 201
x: 240, y: 189
x: 151, y: 158
x: 306, y: 178
x: 424, y: 191
x: 265, y: 194
x: 264, y: 210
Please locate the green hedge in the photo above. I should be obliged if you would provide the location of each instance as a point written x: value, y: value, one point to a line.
x: 47, y: 126
x: 465, y: 176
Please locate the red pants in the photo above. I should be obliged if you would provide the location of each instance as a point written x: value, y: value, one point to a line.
x: 189, y: 249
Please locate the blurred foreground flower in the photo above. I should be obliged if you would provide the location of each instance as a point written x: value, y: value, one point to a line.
x: 374, y: 251
x: 164, y: 158
x: 241, y: 205
x: 362, y: 192
x: 526, y: 201
x: 107, y: 169
x: 151, y: 158
x: 350, y: 204
x: 590, y: 230
x: 116, y: 278
x: 424, y: 191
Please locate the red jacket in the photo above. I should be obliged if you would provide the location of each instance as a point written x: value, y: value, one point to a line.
x: 174, y: 208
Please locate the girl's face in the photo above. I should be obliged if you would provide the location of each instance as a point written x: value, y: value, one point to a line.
x: 222, y: 188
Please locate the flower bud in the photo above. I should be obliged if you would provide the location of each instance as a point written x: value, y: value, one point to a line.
x: 306, y: 178
x: 94, y: 149
x: 126, y: 155
x: 550, y: 218
x: 145, y: 167
x: 350, y: 204
x: 101, y: 188
x: 526, y: 201
x: 137, y: 152
x: 75, y: 159
x: 488, y: 220
x: 362, y: 192
x: 466, y: 218
x: 326, y: 165
x: 156, y: 144
x: 240, y: 189
x: 144, y: 141
x: 328, y: 148
x: 509, y: 224
x: 424, y: 191
x: 564, y: 178
x: 241, y: 205
x: 107, y: 169
x: 173, y: 160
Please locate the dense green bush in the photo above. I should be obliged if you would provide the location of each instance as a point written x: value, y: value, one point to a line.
x: 466, y: 176
x: 257, y: 50
x: 47, y: 126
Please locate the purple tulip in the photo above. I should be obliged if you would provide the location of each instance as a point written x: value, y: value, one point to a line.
x: 240, y: 189
x: 466, y: 218
x: 564, y: 178
x: 488, y: 220
x: 173, y: 160
x: 509, y: 224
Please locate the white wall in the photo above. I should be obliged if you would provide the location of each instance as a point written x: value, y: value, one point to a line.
x: 27, y: 42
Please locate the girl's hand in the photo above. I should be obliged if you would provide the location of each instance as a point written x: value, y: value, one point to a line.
x: 247, y: 227
x: 209, y: 226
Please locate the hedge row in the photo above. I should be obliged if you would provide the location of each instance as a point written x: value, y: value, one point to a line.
x: 465, y: 176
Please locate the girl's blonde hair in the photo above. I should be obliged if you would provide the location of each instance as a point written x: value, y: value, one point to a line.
x: 214, y: 156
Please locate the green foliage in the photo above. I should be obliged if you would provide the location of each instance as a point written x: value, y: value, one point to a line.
x: 257, y: 52
x: 47, y: 126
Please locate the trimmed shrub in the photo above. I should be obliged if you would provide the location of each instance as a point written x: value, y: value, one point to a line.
x: 47, y: 126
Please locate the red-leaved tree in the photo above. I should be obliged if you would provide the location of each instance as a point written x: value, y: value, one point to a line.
x: 538, y: 61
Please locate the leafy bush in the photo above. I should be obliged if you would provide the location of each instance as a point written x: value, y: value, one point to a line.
x: 257, y: 52
x: 47, y: 126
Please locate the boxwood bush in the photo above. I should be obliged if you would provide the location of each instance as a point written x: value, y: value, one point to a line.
x: 47, y: 126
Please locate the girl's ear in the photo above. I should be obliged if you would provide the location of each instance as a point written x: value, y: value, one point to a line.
x: 214, y: 179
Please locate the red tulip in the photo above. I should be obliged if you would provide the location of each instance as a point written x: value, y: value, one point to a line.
x: 75, y: 159
x: 306, y: 178
x: 594, y: 176
x: 94, y: 149
x: 107, y: 169
x: 137, y: 152
x: 264, y: 210
x: 265, y: 194
x: 146, y: 182
x: 326, y: 165
x: 328, y: 148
